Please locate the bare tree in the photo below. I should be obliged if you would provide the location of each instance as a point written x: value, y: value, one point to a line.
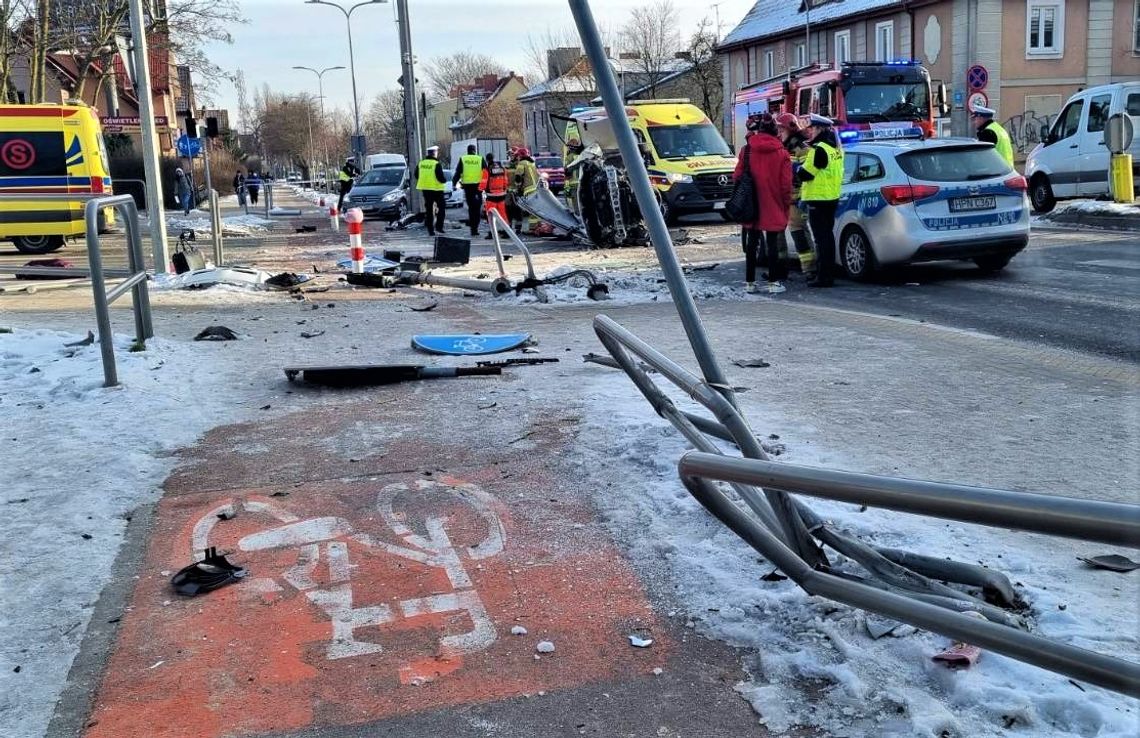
x: 500, y: 118
x: 384, y: 121
x: 282, y: 123
x: 14, y: 17
x: 651, y: 34
x: 189, y: 26
x: 707, y: 75
x: 444, y: 73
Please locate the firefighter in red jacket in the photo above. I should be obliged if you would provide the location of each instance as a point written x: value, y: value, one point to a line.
x: 496, y: 183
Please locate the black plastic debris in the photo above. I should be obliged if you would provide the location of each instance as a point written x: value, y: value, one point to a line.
x: 206, y: 575
x: 216, y: 333
x: 1112, y: 562
x: 83, y: 341
x: 752, y: 363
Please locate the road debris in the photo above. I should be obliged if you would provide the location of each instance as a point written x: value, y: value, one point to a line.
x: 545, y: 647
x: 1112, y: 562
x: 216, y: 333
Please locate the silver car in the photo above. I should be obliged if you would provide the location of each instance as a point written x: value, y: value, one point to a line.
x: 913, y: 200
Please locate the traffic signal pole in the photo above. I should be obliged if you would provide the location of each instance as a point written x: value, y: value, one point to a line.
x: 154, y: 203
x: 411, y: 118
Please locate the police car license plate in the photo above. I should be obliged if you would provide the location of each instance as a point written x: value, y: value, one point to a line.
x: 984, y: 202
x: 718, y: 206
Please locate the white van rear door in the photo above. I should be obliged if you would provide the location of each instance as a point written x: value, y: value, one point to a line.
x: 1093, y: 151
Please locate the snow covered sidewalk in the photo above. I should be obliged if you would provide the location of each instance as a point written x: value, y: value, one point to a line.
x: 580, y: 462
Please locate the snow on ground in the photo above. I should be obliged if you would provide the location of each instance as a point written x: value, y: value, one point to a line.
x: 1097, y: 207
x: 232, y: 225
x: 81, y: 458
x: 815, y: 664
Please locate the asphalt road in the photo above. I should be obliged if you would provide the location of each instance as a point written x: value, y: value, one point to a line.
x: 1070, y: 289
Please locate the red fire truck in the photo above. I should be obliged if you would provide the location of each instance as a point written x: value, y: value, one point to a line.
x: 877, y: 97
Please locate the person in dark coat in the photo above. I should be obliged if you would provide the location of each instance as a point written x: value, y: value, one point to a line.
x: 771, y: 168
x: 253, y: 187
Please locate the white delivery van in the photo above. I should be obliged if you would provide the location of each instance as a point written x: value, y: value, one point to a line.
x: 1072, y: 159
x: 377, y: 161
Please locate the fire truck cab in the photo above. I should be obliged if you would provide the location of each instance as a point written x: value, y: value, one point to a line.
x: 867, y: 96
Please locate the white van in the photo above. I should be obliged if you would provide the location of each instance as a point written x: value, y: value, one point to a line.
x: 376, y: 161
x: 1072, y: 159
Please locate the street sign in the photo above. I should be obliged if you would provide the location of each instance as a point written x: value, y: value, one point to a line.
x: 131, y: 122
x: 977, y: 99
x: 188, y: 147
x: 959, y: 99
x: 977, y: 77
x: 1118, y: 133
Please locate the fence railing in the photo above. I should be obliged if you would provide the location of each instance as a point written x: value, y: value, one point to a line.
x: 135, y: 276
x: 906, y: 586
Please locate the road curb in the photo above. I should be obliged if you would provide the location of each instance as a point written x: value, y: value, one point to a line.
x: 1107, y: 222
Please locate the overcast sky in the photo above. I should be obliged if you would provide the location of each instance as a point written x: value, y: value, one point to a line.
x: 283, y: 33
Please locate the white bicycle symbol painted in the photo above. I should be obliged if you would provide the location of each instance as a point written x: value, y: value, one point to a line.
x: 332, y: 534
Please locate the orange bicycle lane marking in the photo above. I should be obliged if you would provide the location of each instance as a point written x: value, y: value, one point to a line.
x: 369, y: 599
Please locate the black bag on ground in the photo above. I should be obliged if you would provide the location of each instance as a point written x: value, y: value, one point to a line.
x: 187, y: 259
x: 741, y: 204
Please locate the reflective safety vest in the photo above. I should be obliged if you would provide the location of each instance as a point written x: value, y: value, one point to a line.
x: 427, y: 179
x: 497, y: 183
x: 343, y: 176
x: 528, y: 172
x: 472, y: 169
x: 1004, y: 146
x: 826, y: 185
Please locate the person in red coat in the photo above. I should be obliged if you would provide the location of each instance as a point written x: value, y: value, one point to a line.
x: 771, y: 168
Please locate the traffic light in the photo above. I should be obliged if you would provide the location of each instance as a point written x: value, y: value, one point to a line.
x: 191, y: 127
x: 212, y: 127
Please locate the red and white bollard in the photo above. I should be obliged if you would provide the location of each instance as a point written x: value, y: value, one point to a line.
x: 334, y: 222
x: 355, y: 220
x: 322, y: 202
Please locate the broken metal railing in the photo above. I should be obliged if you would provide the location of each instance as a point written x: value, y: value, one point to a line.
x: 905, y: 586
x: 136, y: 275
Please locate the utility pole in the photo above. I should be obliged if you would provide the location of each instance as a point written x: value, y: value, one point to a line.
x: 411, y: 118
x: 154, y: 208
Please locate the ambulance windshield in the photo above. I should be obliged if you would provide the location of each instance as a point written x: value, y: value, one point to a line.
x: 682, y: 142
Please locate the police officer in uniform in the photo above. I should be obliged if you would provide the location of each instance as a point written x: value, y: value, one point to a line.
x: 348, y: 173
x: 820, y: 180
x: 469, y: 173
x: 990, y: 131
x: 431, y: 182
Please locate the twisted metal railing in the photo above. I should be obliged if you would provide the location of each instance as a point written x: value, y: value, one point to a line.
x: 902, y: 585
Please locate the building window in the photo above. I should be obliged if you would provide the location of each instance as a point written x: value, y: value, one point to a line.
x: 842, y: 47
x: 1044, y: 28
x: 801, y: 53
x: 1136, y: 28
x: 884, y: 41
x: 753, y: 72
x: 769, y: 64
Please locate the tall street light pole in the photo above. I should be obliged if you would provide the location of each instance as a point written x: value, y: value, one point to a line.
x: 356, y: 142
x: 321, y: 93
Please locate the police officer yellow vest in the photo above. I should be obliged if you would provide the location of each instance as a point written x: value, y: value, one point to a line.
x: 427, y: 179
x: 1004, y: 146
x: 343, y: 176
x: 472, y: 169
x: 826, y: 185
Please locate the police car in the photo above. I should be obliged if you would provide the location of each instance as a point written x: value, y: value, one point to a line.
x: 907, y: 199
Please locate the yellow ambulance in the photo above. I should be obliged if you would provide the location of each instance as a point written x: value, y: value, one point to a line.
x: 689, y: 162
x: 50, y: 149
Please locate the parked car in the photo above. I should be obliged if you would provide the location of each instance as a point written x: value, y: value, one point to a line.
x: 918, y: 200
x: 550, y: 168
x: 453, y: 196
x: 381, y: 193
x: 1072, y: 160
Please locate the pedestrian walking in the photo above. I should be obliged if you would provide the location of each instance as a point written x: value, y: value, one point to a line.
x: 239, y: 187
x: 432, y: 184
x: 770, y: 165
x: 821, y: 178
x: 496, y: 183
x: 347, y: 175
x: 253, y: 187
x: 184, y: 190
x: 469, y: 173
x: 795, y: 143
x: 990, y: 131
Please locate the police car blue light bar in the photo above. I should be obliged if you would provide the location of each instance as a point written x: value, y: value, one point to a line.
x: 880, y: 133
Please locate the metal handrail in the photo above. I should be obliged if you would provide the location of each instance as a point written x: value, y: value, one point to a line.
x: 136, y: 274
x: 901, y: 585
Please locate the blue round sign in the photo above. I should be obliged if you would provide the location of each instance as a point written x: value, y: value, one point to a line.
x: 188, y: 147
x: 977, y: 77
